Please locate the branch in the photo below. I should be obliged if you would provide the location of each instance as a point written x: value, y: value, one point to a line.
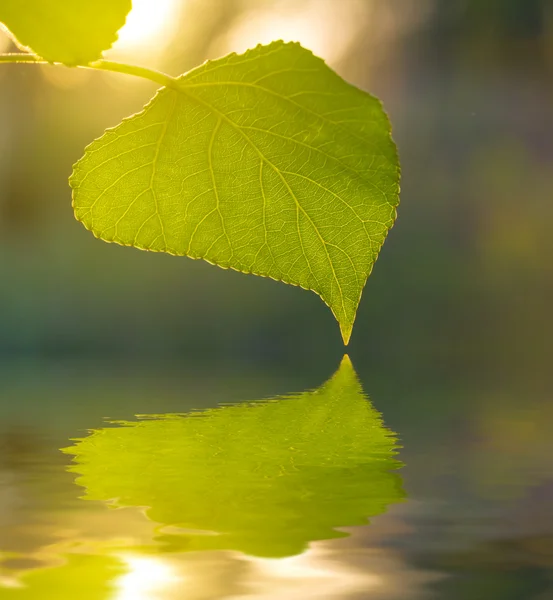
x: 99, y: 65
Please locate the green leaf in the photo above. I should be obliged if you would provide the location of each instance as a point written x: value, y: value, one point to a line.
x: 267, y: 477
x: 74, y: 32
x: 267, y: 163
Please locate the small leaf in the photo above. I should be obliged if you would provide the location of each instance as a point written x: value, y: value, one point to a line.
x: 73, y: 32
x: 267, y: 163
x: 268, y: 477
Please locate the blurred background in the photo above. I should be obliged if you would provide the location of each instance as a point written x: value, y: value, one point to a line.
x: 468, y: 86
x: 453, y: 339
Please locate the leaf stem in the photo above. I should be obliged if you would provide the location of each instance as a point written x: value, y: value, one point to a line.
x: 99, y: 65
x: 144, y: 72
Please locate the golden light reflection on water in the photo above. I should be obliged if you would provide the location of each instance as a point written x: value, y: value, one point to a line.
x: 5, y: 41
x: 147, y: 578
x: 107, y: 572
x: 313, y: 575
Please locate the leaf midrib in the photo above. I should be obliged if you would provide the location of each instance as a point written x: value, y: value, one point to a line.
x: 184, y: 84
x: 299, y: 207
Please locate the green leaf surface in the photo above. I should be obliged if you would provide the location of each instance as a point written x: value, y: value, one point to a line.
x: 267, y: 163
x: 264, y: 478
x: 73, y: 32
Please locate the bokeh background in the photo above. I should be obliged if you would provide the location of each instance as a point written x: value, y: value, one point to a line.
x: 453, y: 338
x: 468, y: 86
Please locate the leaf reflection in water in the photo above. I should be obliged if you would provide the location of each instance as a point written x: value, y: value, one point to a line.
x: 264, y: 478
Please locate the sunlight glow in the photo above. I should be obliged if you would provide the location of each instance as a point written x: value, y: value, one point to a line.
x: 147, y: 579
x: 320, y: 25
x: 150, y: 27
x: 313, y: 575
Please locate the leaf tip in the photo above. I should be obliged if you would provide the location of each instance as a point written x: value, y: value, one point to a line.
x: 345, y: 330
x: 346, y: 362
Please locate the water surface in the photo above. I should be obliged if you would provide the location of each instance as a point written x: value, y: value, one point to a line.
x: 161, y: 482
